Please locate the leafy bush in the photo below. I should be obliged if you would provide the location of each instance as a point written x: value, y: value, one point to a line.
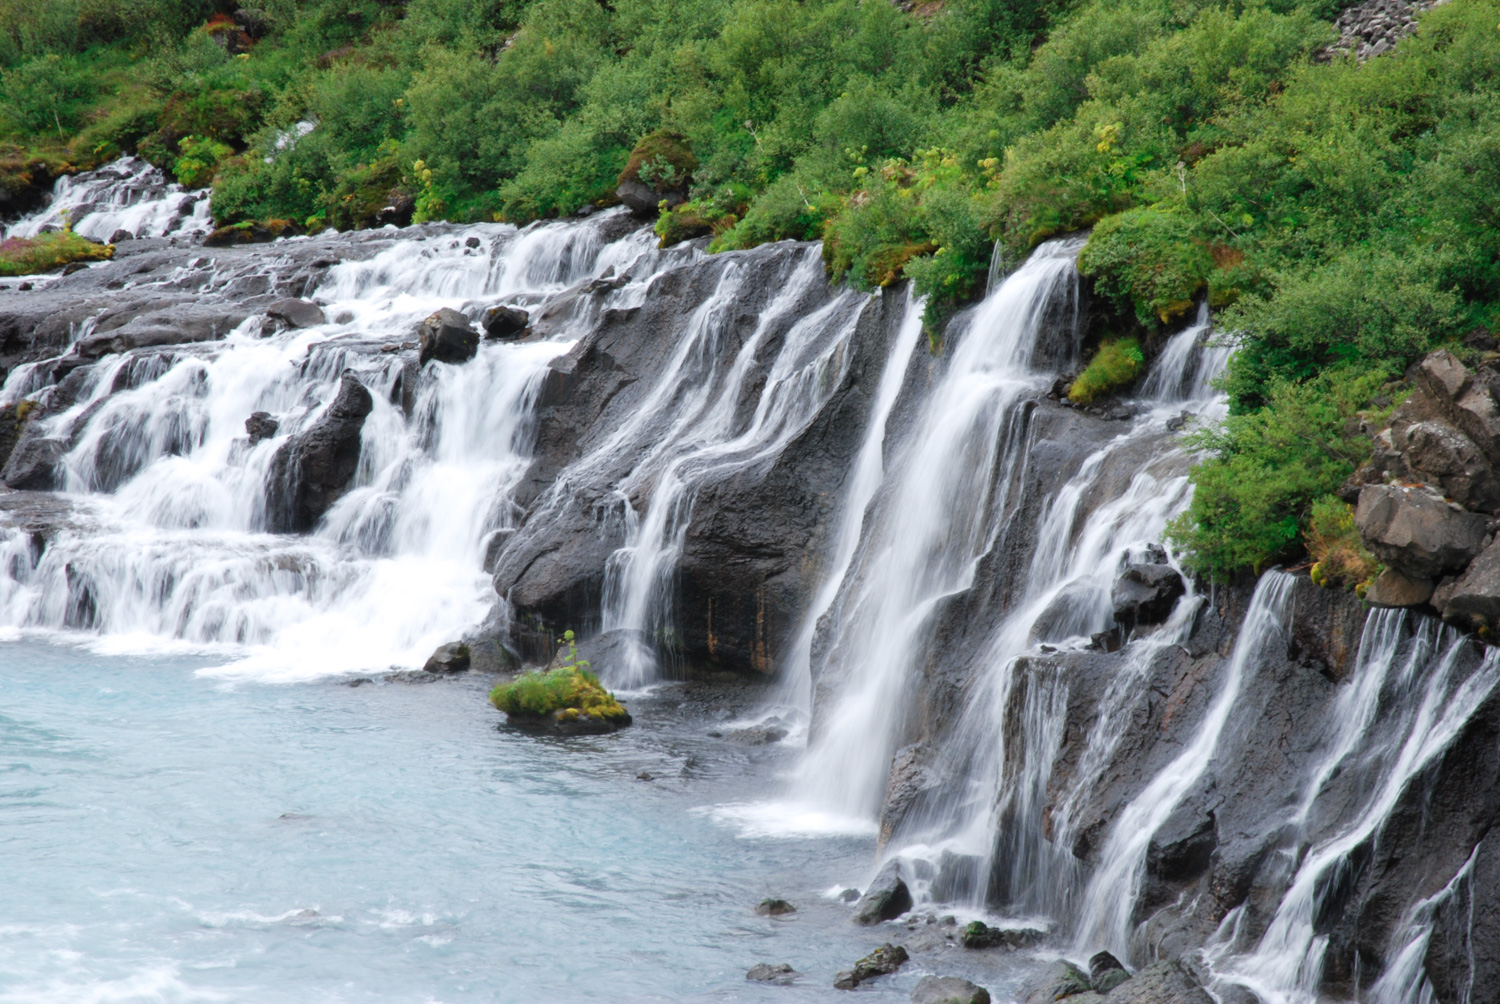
x: 46, y: 95
x: 1149, y: 262
x: 200, y: 160
x: 1333, y: 542
x: 45, y: 252
x: 1114, y: 366
x: 1265, y: 470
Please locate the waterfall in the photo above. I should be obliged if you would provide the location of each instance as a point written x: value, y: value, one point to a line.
x: 1428, y: 698
x: 166, y: 541
x: 935, y: 526
x: 1114, y: 889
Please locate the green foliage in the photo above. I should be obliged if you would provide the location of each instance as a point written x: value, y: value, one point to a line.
x: 1150, y: 262
x: 1114, y: 367
x: 47, y: 94
x: 200, y: 160
x: 1264, y: 472
x: 45, y: 252
x: 1333, y: 542
x: 565, y: 693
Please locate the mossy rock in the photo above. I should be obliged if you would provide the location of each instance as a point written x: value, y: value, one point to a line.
x: 567, y: 701
x: 48, y: 251
x: 1114, y: 367
x: 251, y: 232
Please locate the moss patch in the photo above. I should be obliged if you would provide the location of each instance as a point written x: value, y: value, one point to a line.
x: 662, y: 160
x: 45, y: 252
x: 1114, y: 366
x: 563, y: 695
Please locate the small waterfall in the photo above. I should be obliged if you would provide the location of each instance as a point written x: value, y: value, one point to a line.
x: 128, y: 194
x: 1188, y: 364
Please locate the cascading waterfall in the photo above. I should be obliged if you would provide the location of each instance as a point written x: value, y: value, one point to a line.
x: 1428, y: 692
x: 168, y: 545
x: 937, y: 524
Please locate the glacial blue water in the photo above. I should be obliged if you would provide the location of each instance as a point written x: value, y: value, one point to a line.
x: 169, y: 836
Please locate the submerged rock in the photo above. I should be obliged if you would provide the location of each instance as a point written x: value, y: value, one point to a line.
x: 447, y: 337
x: 450, y: 658
x: 778, y: 974
x: 774, y: 908
x: 886, y: 899
x: 948, y: 990
x: 882, y: 962
x: 296, y: 313
x: 313, y: 469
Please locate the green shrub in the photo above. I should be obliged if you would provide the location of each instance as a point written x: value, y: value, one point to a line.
x: 200, y: 160
x: 1333, y: 543
x: 1264, y: 471
x: 1150, y: 263
x: 45, y: 252
x: 48, y: 94
x: 1114, y: 367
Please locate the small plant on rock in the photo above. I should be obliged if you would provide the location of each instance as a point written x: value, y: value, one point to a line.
x: 568, y: 695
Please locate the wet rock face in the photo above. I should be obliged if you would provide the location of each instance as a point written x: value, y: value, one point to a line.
x: 447, y: 337
x: 313, y: 469
x: 1162, y: 983
x: 505, y: 322
x: 948, y: 990
x: 1146, y: 593
x: 296, y: 313
x: 450, y: 658
x: 886, y: 899
x: 261, y: 425
x: 1061, y: 980
x: 882, y: 962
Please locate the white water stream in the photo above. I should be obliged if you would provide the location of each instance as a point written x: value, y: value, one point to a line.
x: 128, y: 194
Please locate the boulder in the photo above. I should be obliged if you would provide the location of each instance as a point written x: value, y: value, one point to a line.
x: 948, y: 990
x: 296, y: 313
x: 121, y: 235
x: 450, y: 658
x: 780, y: 974
x: 978, y: 934
x: 1436, y: 453
x: 1443, y: 386
x: 882, y: 962
x: 1060, y: 980
x: 774, y: 908
x: 1392, y: 589
x: 1162, y: 983
x: 260, y: 425
x: 505, y: 322
x: 33, y: 462
x: 447, y: 337
x: 1473, y: 600
x: 1415, y: 533
x: 886, y: 899
x: 1106, y: 972
x: 312, y: 470
x: 1146, y: 593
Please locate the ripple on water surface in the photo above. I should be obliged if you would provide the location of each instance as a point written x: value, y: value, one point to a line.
x: 168, y: 836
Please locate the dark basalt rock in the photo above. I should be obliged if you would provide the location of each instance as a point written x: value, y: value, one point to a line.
x: 261, y: 425
x: 886, y: 899
x: 450, y: 658
x: 1059, y: 981
x: 882, y: 962
x: 312, y: 470
x: 948, y: 990
x: 1420, y: 536
x: 780, y: 974
x: 447, y: 337
x: 296, y: 313
x: 1106, y: 972
x: 1146, y: 593
x: 774, y: 908
x: 1161, y: 983
x: 505, y: 322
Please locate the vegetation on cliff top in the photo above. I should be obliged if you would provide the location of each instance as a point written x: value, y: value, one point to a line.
x: 1341, y: 218
x: 45, y: 252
